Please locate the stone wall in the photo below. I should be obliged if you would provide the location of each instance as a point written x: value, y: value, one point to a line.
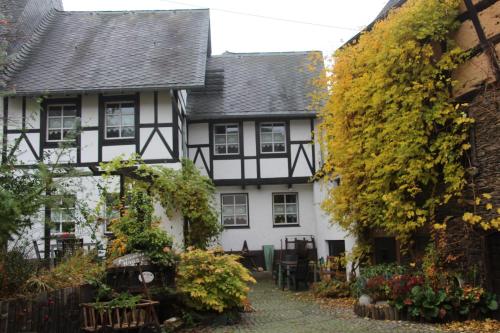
x: 465, y: 243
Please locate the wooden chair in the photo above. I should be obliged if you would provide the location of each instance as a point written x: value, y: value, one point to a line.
x: 300, y: 274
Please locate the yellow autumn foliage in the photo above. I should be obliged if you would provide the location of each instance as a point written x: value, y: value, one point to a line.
x: 212, y: 280
x: 390, y: 128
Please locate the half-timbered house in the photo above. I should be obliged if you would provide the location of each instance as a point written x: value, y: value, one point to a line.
x: 146, y: 83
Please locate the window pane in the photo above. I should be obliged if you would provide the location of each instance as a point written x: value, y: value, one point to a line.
x: 291, y: 218
x: 56, y: 227
x: 291, y: 198
x: 220, y: 129
x: 266, y: 137
x: 128, y: 132
x: 54, y: 111
x: 279, y: 147
x: 220, y: 139
x: 69, y: 122
x: 232, y: 149
x: 68, y: 227
x: 68, y: 134
x: 54, y: 135
x: 291, y: 209
x: 228, y: 220
x: 112, y: 108
x: 240, y: 210
x: 279, y: 209
x: 219, y: 149
x: 55, y: 215
x: 232, y: 129
x: 266, y: 129
x: 279, y: 137
x: 113, y: 120
x: 128, y: 108
x: 279, y: 219
x: 70, y: 110
x: 228, y: 199
x: 54, y: 122
x: 128, y: 120
x: 279, y: 128
x: 267, y: 148
x: 232, y: 138
x: 241, y: 220
x: 112, y: 132
x: 279, y: 198
x: 240, y: 199
x: 228, y: 211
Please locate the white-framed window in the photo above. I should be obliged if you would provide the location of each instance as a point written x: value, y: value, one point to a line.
x: 119, y: 120
x: 226, y: 139
x: 285, y: 208
x: 234, y: 210
x: 62, y: 217
x: 272, y: 138
x: 61, y: 122
x: 111, y: 210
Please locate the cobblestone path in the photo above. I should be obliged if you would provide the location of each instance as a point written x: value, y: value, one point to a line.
x: 279, y: 311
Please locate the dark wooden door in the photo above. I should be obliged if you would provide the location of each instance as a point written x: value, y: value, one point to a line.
x: 493, y: 242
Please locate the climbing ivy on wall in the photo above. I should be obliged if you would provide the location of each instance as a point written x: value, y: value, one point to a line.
x: 390, y: 128
x: 182, y: 191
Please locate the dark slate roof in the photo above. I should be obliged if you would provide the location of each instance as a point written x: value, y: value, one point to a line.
x: 254, y: 84
x: 24, y: 17
x: 102, y: 51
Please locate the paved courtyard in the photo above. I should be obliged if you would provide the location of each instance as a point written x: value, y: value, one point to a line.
x: 283, y: 312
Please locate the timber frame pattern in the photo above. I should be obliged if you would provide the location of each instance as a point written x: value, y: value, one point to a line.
x: 291, y: 161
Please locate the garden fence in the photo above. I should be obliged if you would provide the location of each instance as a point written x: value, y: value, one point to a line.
x: 49, y: 312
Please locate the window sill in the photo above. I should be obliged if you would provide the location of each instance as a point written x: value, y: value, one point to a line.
x: 285, y: 225
x: 236, y: 226
x: 118, y: 142
x: 273, y: 155
x: 57, y: 144
x: 227, y: 157
x: 60, y: 235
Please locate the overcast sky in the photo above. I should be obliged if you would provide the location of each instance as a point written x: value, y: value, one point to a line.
x: 264, y: 25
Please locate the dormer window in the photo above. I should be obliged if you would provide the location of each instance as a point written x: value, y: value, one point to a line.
x: 272, y: 138
x: 61, y: 120
x: 226, y: 139
x: 120, y: 120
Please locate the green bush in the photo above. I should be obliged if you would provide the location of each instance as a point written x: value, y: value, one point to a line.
x: 213, y: 281
x: 385, y: 271
x: 15, y: 270
x: 74, y: 271
x: 331, y: 289
x: 138, y: 231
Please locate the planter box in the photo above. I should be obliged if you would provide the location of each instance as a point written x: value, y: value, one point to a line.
x: 101, y: 317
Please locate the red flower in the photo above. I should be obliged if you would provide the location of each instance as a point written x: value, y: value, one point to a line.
x: 408, y: 301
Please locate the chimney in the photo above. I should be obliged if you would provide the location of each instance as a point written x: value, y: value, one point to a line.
x: 24, y: 16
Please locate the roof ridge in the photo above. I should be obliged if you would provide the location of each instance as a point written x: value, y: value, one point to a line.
x: 235, y: 54
x: 132, y: 11
x: 17, y: 60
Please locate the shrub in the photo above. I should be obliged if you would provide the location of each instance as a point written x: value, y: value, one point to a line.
x: 138, y: 231
x: 76, y: 270
x: 425, y: 302
x: 331, y: 288
x: 15, y: 270
x: 381, y: 272
x: 213, y: 281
